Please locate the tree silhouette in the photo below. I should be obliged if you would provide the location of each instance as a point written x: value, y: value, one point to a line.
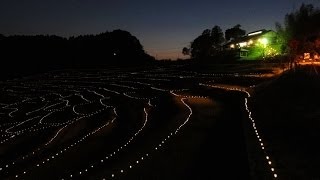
x: 46, y: 52
x: 234, y: 33
x: 207, y: 44
x: 185, y: 51
x: 217, y: 37
x: 301, y: 29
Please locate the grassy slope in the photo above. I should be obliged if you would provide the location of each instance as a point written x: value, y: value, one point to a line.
x: 287, y: 111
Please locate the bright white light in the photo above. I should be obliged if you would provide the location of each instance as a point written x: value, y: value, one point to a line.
x: 254, y: 33
x: 243, y: 44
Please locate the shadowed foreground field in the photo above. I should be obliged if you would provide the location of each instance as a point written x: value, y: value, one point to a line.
x: 288, y: 113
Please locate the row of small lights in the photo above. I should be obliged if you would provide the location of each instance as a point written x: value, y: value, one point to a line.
x: 179, y: 96
x: 134, y: 97
x: 4, y: 126
x: 18, y: 124
x: 68, y: 123
x: 112, y: 154
x: 57, y: 124
x: 160, y: 145
x: 227, y: 74
x: 70, y: 146
x: 191, y: 97
x: 71, y: 120
x: 119, y: 93
x: 258, y: 136
x: 124, y: 86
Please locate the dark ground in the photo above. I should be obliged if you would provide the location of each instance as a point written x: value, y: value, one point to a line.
x: 287, y: 110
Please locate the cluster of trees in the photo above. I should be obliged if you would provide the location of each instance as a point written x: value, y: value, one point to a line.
x: 301, y: 31
x: 209, y: 43
x: 43, y: 52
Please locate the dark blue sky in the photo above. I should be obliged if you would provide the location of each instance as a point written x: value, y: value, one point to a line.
x: 163, y: 27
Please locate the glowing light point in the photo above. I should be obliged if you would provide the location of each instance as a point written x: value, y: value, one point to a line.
x: 275, y: 175
x: 263, y: 41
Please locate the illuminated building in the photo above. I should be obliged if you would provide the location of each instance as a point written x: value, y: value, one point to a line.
x: 255, y: 45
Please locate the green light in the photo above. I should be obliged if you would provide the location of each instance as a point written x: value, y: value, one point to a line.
x: 263, y: 41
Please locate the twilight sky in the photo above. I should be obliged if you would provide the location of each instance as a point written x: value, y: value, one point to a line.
x: 163, y: 27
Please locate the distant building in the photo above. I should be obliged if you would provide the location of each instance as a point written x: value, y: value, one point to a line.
x: 255, y: 45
